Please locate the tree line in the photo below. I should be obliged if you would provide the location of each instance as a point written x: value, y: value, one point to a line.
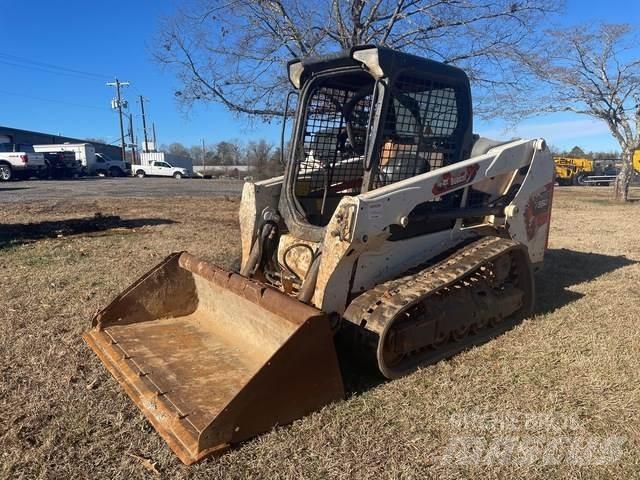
x: 262, y: 157
x: 578, y: 152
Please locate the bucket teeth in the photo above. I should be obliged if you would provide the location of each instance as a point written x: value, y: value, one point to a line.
x: 212, y: 358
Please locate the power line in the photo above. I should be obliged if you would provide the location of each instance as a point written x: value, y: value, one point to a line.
x: 42, y: 99
x: 44, y: 70
x: 48, y: 67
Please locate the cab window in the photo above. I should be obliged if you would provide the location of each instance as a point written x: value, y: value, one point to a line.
x: 420, y: 130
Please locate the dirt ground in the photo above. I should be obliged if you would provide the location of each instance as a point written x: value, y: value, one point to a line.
x: 560, y: 393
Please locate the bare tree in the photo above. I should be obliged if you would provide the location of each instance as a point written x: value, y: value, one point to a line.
x: 195, y: 152
x: 263, y: 159
x: 592, y: 71
x: 577, y: 152
x: 234, y: 51
x: 175, y: 148
x: 97, y: 140
x: 229, y: 152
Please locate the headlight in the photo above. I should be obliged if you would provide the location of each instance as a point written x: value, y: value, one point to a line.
x: 369, y: 57
x: 295, y: 73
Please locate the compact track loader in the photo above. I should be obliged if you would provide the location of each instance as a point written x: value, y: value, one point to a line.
x: 393, y: 228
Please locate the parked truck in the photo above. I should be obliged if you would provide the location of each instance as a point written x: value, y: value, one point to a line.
x: 92, y: 163
x: 162, y: 164
x: 20, y: 161
x: 115, y: 168
x: 62, y: 165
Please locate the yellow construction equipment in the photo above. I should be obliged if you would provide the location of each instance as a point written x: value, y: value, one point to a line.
x: 394, y: 229
x: 572, y: 170
x: 585, y: 171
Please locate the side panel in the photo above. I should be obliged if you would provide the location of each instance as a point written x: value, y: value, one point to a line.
x: 529, y: 214
x: 395, y: 258
x: 255, y: 198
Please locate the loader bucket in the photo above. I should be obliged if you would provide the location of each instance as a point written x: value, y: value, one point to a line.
x: 213, y: 358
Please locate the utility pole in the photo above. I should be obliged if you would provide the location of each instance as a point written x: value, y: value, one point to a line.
x: 144, y: 125
x: 155, y: 142
x: 118, y: 105
x: 133, y: 140
x: 203, y: 155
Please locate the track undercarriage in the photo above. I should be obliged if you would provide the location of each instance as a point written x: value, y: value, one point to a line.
x: 473, y: 295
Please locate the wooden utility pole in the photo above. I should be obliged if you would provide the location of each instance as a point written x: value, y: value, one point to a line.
x: 203, y: 155
x: 144, y: 126
x: 155, y: 142
x: 118, y: 104
x: 133, y: 140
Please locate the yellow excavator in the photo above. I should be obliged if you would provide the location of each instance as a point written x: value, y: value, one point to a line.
x: 395, y: 232
x: 586, y: 171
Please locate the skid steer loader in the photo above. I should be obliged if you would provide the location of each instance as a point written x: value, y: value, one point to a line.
x: 393, y: 228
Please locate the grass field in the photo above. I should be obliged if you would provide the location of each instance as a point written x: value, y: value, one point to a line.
x: 570, y: 374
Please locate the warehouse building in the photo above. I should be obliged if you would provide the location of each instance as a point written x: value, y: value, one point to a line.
x: 15, y: 135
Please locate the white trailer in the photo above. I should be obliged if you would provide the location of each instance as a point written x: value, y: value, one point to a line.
x: 86, y: 155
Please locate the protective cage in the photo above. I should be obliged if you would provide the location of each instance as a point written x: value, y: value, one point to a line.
x: 424, y: 126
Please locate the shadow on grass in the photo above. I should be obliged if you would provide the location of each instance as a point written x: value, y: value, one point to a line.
x: 11, y: 189
x: 19, y: 233
x: 562, y: 269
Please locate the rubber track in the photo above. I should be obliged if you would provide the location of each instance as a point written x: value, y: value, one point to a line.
x: 376, y: 308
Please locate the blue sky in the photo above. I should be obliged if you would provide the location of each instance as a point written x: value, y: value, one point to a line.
x: 114, y: 38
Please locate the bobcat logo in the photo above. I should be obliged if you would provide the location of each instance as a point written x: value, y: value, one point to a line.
x: 452, y: 180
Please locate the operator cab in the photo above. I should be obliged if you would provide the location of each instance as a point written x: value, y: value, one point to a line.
x: 366, y: 119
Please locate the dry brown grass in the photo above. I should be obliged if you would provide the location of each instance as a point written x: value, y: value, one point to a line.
x: 63, y: 416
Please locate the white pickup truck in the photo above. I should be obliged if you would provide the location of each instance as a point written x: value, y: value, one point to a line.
x: 20, y: 161
x: 159, y: 169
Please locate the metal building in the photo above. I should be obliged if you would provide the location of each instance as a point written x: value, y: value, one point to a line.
x: 15, y: 135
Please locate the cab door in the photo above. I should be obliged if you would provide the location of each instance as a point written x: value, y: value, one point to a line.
x: 162, y: 169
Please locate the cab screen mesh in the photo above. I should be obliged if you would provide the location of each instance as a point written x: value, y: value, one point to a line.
x: 420, y: 130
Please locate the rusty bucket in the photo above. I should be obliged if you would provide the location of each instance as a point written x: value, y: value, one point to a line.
x: 213, y: 358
